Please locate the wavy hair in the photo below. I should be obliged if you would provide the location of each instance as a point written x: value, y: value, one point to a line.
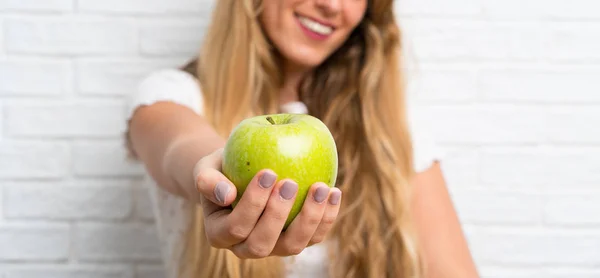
x: 358, y: 92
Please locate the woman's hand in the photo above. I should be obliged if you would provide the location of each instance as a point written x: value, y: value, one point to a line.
x: 254, y: 228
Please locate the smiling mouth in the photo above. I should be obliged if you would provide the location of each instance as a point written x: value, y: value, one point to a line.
x: 314, y: 26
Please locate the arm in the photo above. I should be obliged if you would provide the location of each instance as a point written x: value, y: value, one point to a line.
x: 170, y: 139
x: 445, y: 250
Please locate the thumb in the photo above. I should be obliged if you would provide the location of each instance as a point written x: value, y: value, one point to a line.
x: 211, y: 183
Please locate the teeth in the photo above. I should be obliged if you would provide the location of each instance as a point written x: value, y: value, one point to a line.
x: 315, y: 26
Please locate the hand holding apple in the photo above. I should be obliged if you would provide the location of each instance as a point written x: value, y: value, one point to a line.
x: 295, y: 146
x: 253, y: 228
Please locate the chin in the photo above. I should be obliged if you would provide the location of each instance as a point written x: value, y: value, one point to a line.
x: 307, y: 62
x: 307, y: 59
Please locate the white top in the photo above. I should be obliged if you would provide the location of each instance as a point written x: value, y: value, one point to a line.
x: 172, y: 213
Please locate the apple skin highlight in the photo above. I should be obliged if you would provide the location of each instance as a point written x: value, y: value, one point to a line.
x: 295, y: 146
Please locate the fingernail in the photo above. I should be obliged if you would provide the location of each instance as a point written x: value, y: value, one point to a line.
x: 288, y: 190
x: 267, y: 180
x: 221, y: 190
x: 335, y: 197
x: 321, y: 194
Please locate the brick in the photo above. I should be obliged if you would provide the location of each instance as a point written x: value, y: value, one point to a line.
x: 572, y: 272
x: 117, y: 242
x: 1, y: 207
x: 488, y: 271
x: 550, y: 168
x: 572, y: 42
x: 172, y: 38
x: 103, y: 158
x: 1, y: 127
x: 509, y: 272
x: 486, y: 123
x: 34, y: 242
x: 27, y: 77
x: 459, y: 166
x: 88, y: 119
x: 37, y: 6
x: 2, y: 40
x: 102, y: 77
x: 507, y: 123
x: 443, y: 85
x: 472, y: 40
x: 485, y: 206
x: 143, y: 209
x: 70, y: 271
x: 150, y: 271
x: 514, y: 167
x: 154, y: 7
x: 538, y: 9
x: 24, y: 160
x: 437, y: 8
x: 573, y: 124
x: 70, y: 35
x: 535, y: 246
x: 76, y: 200
x: 475, y: 40
x: 570, y: 208
x: 541, y: 84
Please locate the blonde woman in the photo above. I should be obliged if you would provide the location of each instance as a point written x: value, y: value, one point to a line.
x: 390, y: 214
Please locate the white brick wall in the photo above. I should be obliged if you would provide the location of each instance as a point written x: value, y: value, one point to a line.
x: 511, y: 87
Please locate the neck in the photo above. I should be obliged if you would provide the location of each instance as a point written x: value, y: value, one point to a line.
x: 293, y: 75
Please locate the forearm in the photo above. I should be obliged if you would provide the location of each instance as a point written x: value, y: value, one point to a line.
x: 444, y: 246
x: 181, y: 157
x: 169, y: 139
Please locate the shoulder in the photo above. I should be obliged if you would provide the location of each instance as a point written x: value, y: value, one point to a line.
x: 172, y: 85
x: 426, y: 150
x: 180, y: 87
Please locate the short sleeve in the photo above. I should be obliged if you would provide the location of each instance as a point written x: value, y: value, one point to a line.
x: 426, y: 150
x: 167, y: 85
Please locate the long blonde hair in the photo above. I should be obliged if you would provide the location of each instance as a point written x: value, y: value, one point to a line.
x: 358, y: 93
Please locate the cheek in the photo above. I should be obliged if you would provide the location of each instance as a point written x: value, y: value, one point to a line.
x: 268, y: 17
x: 275, y: 21
x: 280, y: 26
x: 354, y: 13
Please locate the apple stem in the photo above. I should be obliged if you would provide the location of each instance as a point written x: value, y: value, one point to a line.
x: 270, y: 120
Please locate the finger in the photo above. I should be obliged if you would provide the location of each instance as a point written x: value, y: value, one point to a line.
x: 301, y: 230
x: 214, y: 186
x: 213, y: 225
x: 211, y: 183
x: 246, y: 213
x: 263, y: 238
x: 331, y: 211
x: 213, y: 160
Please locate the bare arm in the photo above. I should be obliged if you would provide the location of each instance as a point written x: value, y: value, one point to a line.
x: 445, y: 250
x: 170, y: 139
x: 173, y: 141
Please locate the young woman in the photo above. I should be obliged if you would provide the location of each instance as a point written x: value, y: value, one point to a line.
x: 390, y: 214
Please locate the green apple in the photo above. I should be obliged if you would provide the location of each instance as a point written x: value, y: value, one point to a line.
x: 295, y: 146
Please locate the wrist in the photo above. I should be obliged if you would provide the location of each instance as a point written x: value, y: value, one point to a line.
x: 179, y: 160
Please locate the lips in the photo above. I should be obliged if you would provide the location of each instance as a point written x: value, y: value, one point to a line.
x: 315, y: 26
